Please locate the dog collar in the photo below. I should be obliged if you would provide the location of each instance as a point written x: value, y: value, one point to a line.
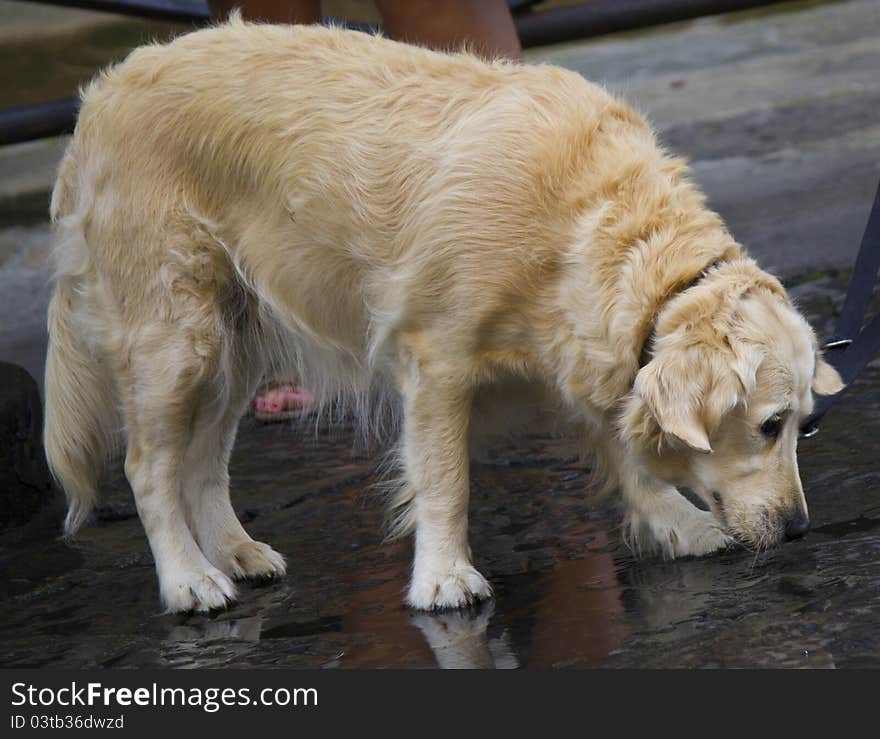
x: 645, y: 353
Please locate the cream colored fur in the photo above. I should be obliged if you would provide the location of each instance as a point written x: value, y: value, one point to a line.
x: 479, y: 241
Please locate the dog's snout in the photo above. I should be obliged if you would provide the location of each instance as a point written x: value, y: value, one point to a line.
x: 796, y: 525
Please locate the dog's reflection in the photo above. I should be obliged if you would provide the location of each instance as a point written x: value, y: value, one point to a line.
x: 247, y: 628
x: 235, y: 629
x: 460, y: 640
x: 662, y: 595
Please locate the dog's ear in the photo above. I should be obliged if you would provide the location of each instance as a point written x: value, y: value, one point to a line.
x: 673, y: 396
x: 684, y: 394
x: 826, y: 379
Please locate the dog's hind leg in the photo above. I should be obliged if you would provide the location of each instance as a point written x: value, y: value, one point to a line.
x: 435, y: 460
x: 211, y: 517
x: 169, y: 372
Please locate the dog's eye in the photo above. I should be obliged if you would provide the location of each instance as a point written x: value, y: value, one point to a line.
x: 771, y: 427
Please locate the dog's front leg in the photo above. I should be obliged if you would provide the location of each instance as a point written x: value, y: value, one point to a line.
x: 435, y: 460
x: 659, y: 518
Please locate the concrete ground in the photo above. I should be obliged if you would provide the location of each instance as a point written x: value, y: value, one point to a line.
x: 776, y: 109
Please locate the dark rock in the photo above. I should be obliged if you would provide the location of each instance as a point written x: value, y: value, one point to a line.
x: 25, y: 483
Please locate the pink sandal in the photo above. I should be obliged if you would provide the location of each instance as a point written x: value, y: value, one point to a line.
x: 281, y: 401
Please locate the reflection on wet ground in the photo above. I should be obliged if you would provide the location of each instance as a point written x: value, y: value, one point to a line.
x: 568, y: 592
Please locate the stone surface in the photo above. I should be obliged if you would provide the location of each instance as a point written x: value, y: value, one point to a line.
x: 25, y: 485
x: 24, y: 296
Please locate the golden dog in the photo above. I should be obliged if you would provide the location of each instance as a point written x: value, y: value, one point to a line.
x: 484, y: 240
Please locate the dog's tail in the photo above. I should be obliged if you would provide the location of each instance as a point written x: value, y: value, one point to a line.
x: 81, y: 419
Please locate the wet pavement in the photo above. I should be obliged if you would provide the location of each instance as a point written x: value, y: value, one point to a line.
x: 569, y: 594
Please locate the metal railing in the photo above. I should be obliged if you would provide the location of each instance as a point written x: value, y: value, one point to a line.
x: 535, y: 28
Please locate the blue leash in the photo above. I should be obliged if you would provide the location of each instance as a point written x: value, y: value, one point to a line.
x: 853, y: 346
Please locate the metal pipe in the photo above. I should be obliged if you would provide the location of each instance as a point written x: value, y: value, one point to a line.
x: 38, y: 121
x: 611, y: 16
x: 183, y: 11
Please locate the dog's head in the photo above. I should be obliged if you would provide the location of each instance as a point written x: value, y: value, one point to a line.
x: 718, y: 408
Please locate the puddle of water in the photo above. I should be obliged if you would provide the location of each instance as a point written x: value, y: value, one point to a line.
x: 568, y: 593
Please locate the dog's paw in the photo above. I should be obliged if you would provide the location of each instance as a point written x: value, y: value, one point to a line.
x: 253, y: 560
x: 459, y: 587
x: 203, y: 591
x: 698, y: 534
x: 703, y: 535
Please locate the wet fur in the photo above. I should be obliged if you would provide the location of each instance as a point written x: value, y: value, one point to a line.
x: 478, y: 246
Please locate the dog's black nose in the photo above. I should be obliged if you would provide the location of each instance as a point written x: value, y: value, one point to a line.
x: 796, y: 526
